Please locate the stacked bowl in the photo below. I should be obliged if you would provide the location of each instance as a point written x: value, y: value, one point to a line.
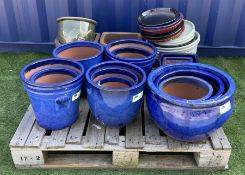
x: 189, y: 100
x: 161, y: 24
x: 114, y: 92
x: 168, y: 31
x: 54, y: 87
x: 137, y: 52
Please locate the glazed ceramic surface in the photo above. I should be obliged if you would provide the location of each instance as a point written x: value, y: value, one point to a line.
x: 137, y: 52
x: 75, y: 28
x: 85, y: 52
x: 115, y: 107
x: 187, y: 120
x: 186, y: 87
x: 54, y: 98
x: 170, y: 58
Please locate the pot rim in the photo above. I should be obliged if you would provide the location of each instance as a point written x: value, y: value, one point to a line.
x: 106, y: 63
x: 70, y: 45
x: 131, y: 41
x: 188, y: 103
x: 76, y: 19
x: 207, y: 84
x: 51, y: 61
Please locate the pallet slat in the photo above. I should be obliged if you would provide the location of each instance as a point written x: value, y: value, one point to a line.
x: 57, y: 138
x: 76, y: 131
x: 95, y: 134
x: 24, y: 128
x: 36, y: 136
x: 152, y: 134
x: 112, y: 136
x: 134, y: 134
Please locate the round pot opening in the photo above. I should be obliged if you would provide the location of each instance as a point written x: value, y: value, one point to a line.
x: 185, y: 88
x: 115, y: 83
x: 53, y: 78
x: 131, y: 53
x: 77, y: 53
x: 136, y: 45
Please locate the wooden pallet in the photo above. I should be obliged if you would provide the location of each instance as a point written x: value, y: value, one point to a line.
x: 88, y: 144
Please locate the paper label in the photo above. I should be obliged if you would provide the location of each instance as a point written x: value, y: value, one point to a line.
x: 137, y: 97
x: 76, y: 95
x: 225, y: 107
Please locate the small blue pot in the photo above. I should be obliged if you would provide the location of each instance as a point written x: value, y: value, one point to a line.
x: 55, y: 104
x: 187, y: 120
x: 216, y: 82
x: 169, y: 58
x: 91, y: 53
x: 115, y: 107
x: 177, y: 88
x: 117, y: 72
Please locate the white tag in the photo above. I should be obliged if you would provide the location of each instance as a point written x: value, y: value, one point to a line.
x: 137, y: 97
x: 76, y: 95
x: 225, y: 107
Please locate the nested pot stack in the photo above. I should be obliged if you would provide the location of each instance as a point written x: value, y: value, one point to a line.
x: 137, y: 52
x: 189, y: 100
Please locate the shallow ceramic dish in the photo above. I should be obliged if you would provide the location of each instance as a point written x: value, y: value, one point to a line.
x: 158, y: 17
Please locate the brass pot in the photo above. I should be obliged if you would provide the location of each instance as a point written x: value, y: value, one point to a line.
x: 75, y: 29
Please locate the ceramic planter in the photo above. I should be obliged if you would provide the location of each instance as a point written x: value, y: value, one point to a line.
x: 171, y: 58
x: 186, y: 88
x: 137, y: 52
x: 53, y: 86
x: 108, y: 37
x: 183, y: 119
x: 116, y: 104
x: 75, y: 28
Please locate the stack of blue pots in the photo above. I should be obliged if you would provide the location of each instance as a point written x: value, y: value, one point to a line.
x: 137, y: 52
x: 54, y: 87
x: 188, y: 101
x: 115, y: 92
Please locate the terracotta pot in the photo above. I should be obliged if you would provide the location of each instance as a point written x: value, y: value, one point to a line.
x: 108, y: 37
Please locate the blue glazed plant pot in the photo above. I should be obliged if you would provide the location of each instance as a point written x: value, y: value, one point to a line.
x: 115, y: 106
x: 87, y: 53
x: 53, y: 86
x: 216, y: 82
x: 188, y: 120
x: 186, y: 88
x: 137, y: 52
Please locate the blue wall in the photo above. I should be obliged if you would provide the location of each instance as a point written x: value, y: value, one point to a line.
x: 220, y: 22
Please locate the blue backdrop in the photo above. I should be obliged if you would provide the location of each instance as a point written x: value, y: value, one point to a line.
x: 220, y: 22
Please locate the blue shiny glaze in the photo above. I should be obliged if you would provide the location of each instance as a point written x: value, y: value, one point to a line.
x: 115, y: 107
x: 86, y: 62
x: 115, y: 79
x: 134, y: 41
x: 54, y: 105
x: 53, y: 70
x: 131, y: 50
x: 187, y: 120
x: 117, y: 72
x: 214, y: 80
x: 198, y: 82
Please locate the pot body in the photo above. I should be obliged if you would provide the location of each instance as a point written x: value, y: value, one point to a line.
x: 115, y: 107
x: 87, y: 60
x: 186, y: 120
x: 55, y: 107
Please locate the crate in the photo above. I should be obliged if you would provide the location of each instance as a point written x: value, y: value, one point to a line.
x: 88, y: 144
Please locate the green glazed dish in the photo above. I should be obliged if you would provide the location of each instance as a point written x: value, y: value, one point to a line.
x: 75, y: 29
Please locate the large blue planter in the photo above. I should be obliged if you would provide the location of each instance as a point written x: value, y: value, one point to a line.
x: 55, y: 102
x: 87, y: 53
x: 115, y: 107
x: 188, y: 120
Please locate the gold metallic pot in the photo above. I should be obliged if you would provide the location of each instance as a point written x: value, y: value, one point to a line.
x: 75, y: 28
